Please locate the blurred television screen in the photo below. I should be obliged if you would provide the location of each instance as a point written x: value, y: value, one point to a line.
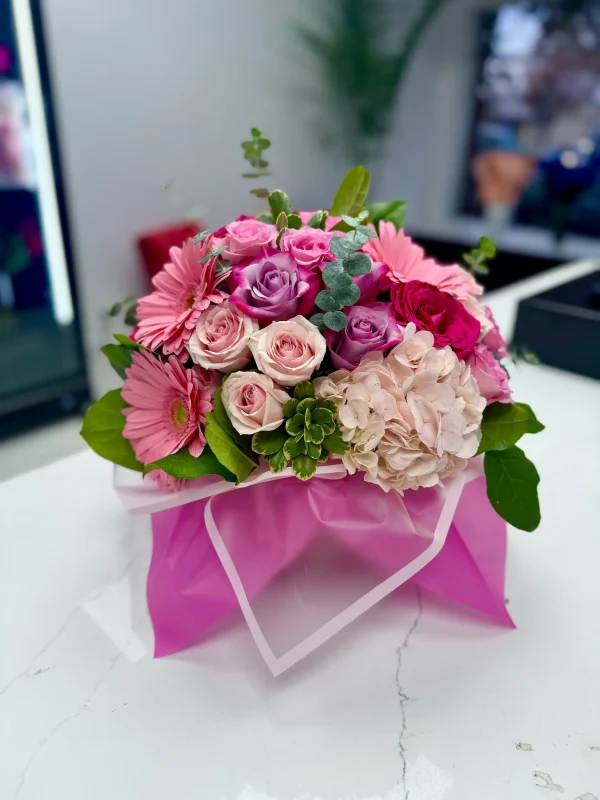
x: 535, y: 140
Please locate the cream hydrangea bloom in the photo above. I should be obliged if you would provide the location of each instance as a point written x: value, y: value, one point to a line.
x: 412, y: 418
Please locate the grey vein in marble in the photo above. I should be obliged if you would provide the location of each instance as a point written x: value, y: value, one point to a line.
x: 546, y: 782
x: 402, y: 696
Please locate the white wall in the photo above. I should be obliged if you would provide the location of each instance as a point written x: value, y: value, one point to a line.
x: 150, y: 91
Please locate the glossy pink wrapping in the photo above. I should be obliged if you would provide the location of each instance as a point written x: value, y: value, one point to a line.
x: 266, y: 527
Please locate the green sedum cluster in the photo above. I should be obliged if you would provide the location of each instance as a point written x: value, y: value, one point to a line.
x: 308, y: 435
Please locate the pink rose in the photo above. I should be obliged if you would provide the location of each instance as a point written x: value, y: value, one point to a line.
x: 253, y: 402
x: 208, y: 379
x: 220, y: 339
x: 288, y: 351
x: 245, y: 238
x: 308, y: 246
x: 491, y: 378
x: 438, y: 312
x: 494, y: 339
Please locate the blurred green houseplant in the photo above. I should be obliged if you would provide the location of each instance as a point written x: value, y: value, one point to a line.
x: 362, y: 66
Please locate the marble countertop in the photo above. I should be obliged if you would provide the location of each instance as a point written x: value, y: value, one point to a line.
x: 417, y: 700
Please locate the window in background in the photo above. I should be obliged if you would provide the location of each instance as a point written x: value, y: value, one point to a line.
x: 535, y: 153
x: 42, y: 373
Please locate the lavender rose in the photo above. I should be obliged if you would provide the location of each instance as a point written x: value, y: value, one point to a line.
x: 370, y: 327
x: 274, y: 287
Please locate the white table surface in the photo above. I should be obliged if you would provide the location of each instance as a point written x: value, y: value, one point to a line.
x: 417, y: 699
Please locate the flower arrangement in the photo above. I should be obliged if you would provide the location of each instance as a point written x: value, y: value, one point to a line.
x: 289, y: 339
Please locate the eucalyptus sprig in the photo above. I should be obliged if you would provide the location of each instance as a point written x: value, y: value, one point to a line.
x: 338, y: 274
x: 222, y: 265
x: 477, y: 258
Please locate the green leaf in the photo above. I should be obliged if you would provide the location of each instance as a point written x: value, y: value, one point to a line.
x: 335, y: 320
x: 318, y: 220
x: 346, y: 296
x: 350, y: 197
x: 293, y: 427
x: 332, y: 272
x: 304, y: 389
x: 316, y: 434
x: 304, y: 467
x: 294, y: 222
x: 185, y: 465
x: 487, y: 247
x: 226, y: 450
x: 314, y: 451
x: 103, y: 427
x: 504, y: 423
x: 322, y: 416
x: 255, y: 133
x: 289, y: 408
x: 262, y: 193
x: 340, y: 247
x: 280, y: 203
x: 281, y: 221
x: 317, y: 321
x: 265, y: 217
x: 335, y: 444
x: 278, y: 461
x: 266, y: 443
x: 119, y: 357
x: 366, y: 231
x: 357, y: 264
x: 330, y: 404
x: 357, y: 239
x: 222, y: 418
x: 127, y: 342
x: 294, y: 447
x: 327, y: 301
x: 351, y: 222
x: 341, y: 282
x: 512, y: 482
x: 393, y: 212
x: 324, y: 456
x: 306, y: 404
x: 341, y: 227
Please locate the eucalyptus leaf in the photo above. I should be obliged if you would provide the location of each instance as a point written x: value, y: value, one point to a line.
x: 331, y: 272
x: 327, y: 301
x: 504, y: 423
x: 317, y: 321
x: 512, y: 482
x: 103, y: 427
x: 262, y: 193
x: 226, y: 449
x: 335, y: 320
x: 184, y: 465
x: 351, y: 222
x: 351, y: 196
x: 393, y: 212
x: 342, y: 282
x: 357, y: 264
x: 345, y: 296
x: 340, y: 246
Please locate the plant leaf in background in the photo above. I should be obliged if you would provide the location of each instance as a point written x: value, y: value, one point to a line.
x: 503, y: 425
x: 512, y: 482
x: 227, y: 450
x: 184, y: 465
x: 361, y: 69
x: 351, y: 196
x: 393, y: 212
x: 103, y: 427
x: 119, y: 357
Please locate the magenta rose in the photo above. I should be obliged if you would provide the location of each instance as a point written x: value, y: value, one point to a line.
x: 274, y: 287
x: 491, y: 378
x: 244, y: 239
x: 373, y: 282
x: 308, y: 246
x: 370, y: 327
x: 438, y: 312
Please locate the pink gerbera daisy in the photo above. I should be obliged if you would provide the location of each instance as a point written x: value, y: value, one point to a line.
x: 183, y: 289
x: 407, y: 262
x: 166, y: 407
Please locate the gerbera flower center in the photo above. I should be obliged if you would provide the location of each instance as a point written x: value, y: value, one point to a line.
x: 179, y: 415
x: 189, y: 300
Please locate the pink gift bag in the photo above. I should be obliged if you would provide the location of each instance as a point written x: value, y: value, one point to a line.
x: 304, y: 559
